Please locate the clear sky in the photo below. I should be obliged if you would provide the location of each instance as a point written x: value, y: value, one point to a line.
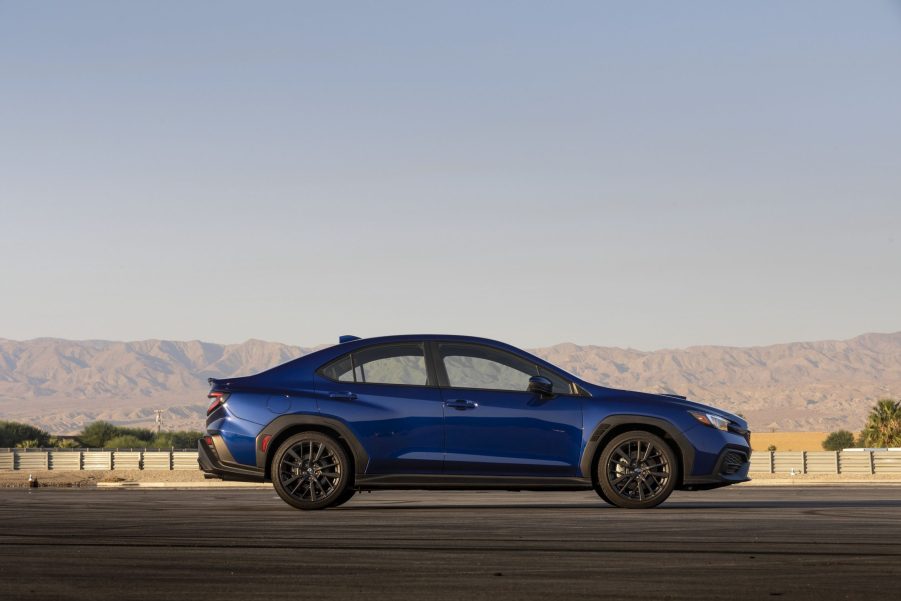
x: 641, y: 174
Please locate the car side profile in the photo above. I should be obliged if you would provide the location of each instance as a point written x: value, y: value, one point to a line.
x: 459, y: 412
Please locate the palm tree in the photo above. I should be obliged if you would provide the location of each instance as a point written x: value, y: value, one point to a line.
x: 883, y: 427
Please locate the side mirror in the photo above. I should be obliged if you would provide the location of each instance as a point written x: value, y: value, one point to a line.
x: 541, y: 385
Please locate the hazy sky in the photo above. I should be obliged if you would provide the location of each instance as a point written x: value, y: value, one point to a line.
x: 653, y: 174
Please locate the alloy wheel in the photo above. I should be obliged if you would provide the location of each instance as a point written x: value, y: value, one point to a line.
x: 636, y: 470
x: 311, y: 470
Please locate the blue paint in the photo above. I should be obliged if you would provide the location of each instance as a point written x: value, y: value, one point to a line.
x: 436, y: 429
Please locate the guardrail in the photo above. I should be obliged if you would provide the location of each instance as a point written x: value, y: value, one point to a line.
x: 98, y: 459
x: 880, y: 461
x: 863, y: 461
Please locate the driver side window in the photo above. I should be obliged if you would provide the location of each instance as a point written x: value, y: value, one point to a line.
x: 473, y: 366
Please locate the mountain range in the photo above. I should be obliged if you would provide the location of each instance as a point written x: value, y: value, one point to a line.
x: 61, y: 385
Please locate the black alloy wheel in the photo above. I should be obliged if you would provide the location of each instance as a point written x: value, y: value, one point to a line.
x: 636, y: 470
x: 310, y: 470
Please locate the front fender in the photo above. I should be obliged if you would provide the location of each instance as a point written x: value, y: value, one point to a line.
x: 604, y: 432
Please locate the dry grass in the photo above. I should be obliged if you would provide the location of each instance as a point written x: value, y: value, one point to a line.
x: 788, y: 441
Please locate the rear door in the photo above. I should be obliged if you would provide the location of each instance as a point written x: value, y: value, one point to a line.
x: 494, y: 426
x: 387, y: 398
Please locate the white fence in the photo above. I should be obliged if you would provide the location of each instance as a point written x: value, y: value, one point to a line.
x: 866, y: 462
x: 89, y: 459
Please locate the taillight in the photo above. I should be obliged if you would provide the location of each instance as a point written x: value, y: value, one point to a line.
x: 208, y: 440
x: 219, y: 399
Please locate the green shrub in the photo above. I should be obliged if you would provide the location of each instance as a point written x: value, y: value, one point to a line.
x: 126, y: 441
x: 139, y: 433
x: 64, y: 443
x: 184, y: 439
x: 841, y: 439
x: 12, y: 434
x: 104, y: 434
x: 96, y: 434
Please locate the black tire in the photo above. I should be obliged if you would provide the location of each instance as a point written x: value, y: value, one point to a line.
x: 346, y: 496
x: 311, y: 470
x: 636, y: 470
x: 602, y: 494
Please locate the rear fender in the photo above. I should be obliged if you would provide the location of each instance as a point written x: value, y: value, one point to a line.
x: 282, y: 424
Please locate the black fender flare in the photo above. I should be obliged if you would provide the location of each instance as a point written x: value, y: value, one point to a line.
x: 602, y: 433
x: 282, y: 423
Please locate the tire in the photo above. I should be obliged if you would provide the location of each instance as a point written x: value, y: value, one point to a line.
x: 636, y: 470
x: 346, y: 496
x: 311, y: 470
x: 602, y: 495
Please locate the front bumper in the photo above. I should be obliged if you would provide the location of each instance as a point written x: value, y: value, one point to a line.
x: 216, y: 462
x: 731, y: 468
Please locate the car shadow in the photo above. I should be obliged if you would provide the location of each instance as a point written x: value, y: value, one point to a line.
x: 805, y: 504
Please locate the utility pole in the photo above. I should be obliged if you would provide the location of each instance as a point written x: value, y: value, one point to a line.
x: 159, y: 420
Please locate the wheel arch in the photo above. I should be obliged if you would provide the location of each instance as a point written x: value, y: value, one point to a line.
x: 615, y: 425
x: 283, y: 427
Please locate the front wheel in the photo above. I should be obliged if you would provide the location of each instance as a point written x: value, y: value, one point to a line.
x: 636, y: 470
x: 310, y: 470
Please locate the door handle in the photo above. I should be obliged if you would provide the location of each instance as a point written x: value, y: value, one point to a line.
x: 461, y: 404
x: 343, y: 396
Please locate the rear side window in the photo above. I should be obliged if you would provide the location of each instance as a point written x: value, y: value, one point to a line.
x: 341, y: 370
x: 402, y: 364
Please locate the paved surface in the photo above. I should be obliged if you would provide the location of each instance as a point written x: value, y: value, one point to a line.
x: 756, y: 543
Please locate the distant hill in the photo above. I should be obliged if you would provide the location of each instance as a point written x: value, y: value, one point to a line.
x: 61, y: 385
x: 821, y: 386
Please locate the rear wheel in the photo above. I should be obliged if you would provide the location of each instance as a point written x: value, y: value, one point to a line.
x: 310, y: 470
x: 636, y: 470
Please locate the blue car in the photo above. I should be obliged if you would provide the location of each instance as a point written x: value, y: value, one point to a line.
x: 463, y: 413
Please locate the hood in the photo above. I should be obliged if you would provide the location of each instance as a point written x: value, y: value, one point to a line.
x: 671, y: 400
x: 681, y: 401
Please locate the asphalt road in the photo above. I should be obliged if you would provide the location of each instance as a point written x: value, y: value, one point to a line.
x: 742, y: 542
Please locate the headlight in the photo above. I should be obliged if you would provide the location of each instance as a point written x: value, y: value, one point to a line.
x: 711, y: 419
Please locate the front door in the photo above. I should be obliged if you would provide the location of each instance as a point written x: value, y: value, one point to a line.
x: 494, y: 426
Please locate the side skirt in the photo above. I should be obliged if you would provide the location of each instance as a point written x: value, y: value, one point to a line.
x: 454, y: 482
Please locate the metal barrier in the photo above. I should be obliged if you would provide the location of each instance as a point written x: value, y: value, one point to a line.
x: 851, y: 461
x: 127, y: 460
x: 158, y: 460
x: 856, y: 462
x: 887, y: 463
x: 863, y: 461
x: 7, y: 461
x: 33, y: 461
x: 65, y: 460
x: 97, y: 459
x: 184, y: 460
x: 786, y: 462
